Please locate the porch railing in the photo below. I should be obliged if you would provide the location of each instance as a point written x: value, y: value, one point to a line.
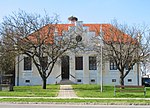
x: 58, y: 76
x: 69, y: 75
x: 72, y: 76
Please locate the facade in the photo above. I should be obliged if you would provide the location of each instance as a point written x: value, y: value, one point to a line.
x: 80, y: 68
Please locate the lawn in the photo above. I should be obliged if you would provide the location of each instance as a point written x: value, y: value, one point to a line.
x: 108, y: 92
x: 32, y: 91
x: 81, y: 90
x: 78, y: 101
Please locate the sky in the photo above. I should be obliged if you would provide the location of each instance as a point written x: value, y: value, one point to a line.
x: 130, y: 12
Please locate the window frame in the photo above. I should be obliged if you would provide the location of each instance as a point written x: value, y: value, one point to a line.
x: 92, y: 63
x: 79, y: 63
x: 27, y: 64
x: 112, y: 65
x: 127, y: 67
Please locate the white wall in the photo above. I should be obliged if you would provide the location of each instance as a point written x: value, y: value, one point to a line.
x: 33, y: 75
x: 108, y: 75
x: 84, y: 75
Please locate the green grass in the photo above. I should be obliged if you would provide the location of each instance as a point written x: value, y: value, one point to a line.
x: 32, y: 91
x: 81, y: 90
x: 85, y: 101
x: 108, y: 92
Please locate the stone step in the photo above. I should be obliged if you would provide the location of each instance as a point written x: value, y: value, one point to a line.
x: 65, y: 82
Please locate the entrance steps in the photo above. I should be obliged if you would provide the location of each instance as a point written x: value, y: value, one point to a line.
x: 66, y: 82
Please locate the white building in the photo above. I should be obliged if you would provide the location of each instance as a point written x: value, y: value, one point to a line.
x: 80, y: 68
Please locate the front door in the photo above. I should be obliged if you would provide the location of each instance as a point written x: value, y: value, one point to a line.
x: 65, y: 67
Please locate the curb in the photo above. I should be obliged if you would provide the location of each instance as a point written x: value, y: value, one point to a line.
x: 77, y: 103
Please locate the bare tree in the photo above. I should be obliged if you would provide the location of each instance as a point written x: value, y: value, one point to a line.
x: 145, y: 44
x: 124, y: 46
x: 40, y: 38
x: 145, y: 66
x: 7, y: 59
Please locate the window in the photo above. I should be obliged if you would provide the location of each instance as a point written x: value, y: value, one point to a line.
x: 92, y: 63
x: 27, y: 63
x: 78, y: 38
x: 93, y: 80
x: 113, y: 80
x: 78, y: 80
x: 79, y: 63
x: 44, y: 62
x: 129, y: 80
x: 27, y: 81
x: 127, y: 66
x: 113, y: 66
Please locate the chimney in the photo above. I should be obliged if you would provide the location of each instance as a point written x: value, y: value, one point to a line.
x: 73, y: 19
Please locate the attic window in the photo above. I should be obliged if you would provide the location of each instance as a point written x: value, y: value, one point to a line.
x: 78, y: 38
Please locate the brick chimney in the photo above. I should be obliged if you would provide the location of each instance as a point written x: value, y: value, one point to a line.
x: 73, y: 19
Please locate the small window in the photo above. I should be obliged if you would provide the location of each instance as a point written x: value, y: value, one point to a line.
x: 79, y: 38
x: 27, y: 63
x: 27, y: 81
x: 79, y: 63
x: 93, y: 80
x: 113, y: 66
x: 78, y: 80
x: 92, y: 63
x: 129, y: 80
x: 113, y: 80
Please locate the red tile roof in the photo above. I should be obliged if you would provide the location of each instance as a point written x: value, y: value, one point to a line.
x: 110, y: 32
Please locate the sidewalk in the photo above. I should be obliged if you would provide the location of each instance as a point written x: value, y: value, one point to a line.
x: 66, y: 91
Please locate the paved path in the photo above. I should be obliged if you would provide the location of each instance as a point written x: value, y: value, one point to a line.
x: 66, y: 91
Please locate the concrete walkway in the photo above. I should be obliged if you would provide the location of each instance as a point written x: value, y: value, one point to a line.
x: 66, y: 91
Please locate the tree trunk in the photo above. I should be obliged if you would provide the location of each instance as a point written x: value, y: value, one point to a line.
x: 44, y: 83
x: 122, y: 79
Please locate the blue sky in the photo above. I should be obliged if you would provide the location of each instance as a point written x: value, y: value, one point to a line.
x: 90, y: 11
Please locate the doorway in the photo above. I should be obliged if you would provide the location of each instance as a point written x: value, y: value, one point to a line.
x: 65, y: 67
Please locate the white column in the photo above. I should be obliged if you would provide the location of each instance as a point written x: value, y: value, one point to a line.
x: 85, y: 69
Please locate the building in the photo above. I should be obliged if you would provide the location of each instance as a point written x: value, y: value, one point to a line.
x: 80, y: 68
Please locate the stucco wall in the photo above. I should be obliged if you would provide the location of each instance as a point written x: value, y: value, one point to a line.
x: 85, y: 76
